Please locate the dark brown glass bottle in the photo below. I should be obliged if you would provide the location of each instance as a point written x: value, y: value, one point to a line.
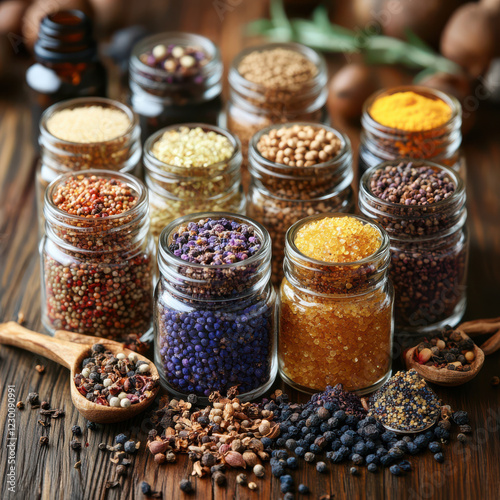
x: 67, y: 63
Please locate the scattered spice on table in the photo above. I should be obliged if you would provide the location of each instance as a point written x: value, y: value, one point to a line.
x: 44, y: 441
x: 40, y: 369
x: 114, y: 380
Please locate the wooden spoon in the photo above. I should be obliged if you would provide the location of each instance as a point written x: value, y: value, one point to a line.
x: 443, y: 376
x: 71, y: 355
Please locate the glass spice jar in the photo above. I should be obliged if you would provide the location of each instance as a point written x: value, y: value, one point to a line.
x: 279, y: 195
x: 180, y: 94
x: 121, y: 152
x: 429, y: 252
x: 440, y: 144
x: 215, y: 325
x: 253, y: 106
x: 97, y: 271
x: 177, y: 190
x: 335, y: 319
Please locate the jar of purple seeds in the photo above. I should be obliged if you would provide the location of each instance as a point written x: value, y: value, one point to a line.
x: 175, y: 78
x: 215, y: 307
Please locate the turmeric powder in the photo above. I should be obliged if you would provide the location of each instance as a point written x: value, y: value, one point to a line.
x: 410, y: 111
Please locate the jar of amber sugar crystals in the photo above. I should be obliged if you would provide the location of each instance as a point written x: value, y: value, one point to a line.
x: 336, y: 304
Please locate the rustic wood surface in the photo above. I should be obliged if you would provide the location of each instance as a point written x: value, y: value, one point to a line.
x: 470, y: 471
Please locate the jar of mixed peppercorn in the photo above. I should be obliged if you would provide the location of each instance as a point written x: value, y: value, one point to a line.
x: 297, y: 169
x: 215, y: 306
x: 335, y: 320
x: 415, y: 122
x: 96, y: 255
x: 175, y: 78
x: 422, y: 207
x: 86, y: 133
x: 191, y: 168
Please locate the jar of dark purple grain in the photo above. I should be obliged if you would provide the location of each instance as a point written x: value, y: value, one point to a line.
x: 215, y: 326
x: 422, y: 207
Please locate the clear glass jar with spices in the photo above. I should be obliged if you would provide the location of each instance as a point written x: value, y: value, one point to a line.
x: 175, y: 78
x: 215, y: 323
x: 275, y: 83
x: 282, y: 193
x: 191, y: 168
x: 432, y: 134
x: 96, y: 256
x: 86, y: 133
x: 335, y: 321
x: 429, y: 243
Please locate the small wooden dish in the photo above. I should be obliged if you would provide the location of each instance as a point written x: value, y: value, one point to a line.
x: 443, y: 376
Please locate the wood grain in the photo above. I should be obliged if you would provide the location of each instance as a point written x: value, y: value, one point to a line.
x: 47, y: 473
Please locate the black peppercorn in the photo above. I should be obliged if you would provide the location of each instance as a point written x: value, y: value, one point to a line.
x: 145, y: 488
x: 186, y: 486
x: 75, y: 445
x: 76, y: 430
x: 33, y: 399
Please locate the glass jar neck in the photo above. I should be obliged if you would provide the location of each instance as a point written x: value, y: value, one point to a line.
x: 436, y: 220
x: 298, y: 183
x: 214, y: 284
x: 334, y: 280
x: 124, y: 233
x: 303, y: 98
x: 386, y: 143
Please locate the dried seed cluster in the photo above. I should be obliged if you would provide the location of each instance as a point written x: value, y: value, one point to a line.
x: 117, y: 381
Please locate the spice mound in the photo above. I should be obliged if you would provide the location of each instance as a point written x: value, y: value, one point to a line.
x: 405, y: 403
x: 410, y: 111
x: 299, y: 145
x: 277, y: 68
x: 192, y: 147
x: 448, y: 349
x: 409, y: 184
x: 114, y: 380
x: 88, y: 124
x: 338, y: 239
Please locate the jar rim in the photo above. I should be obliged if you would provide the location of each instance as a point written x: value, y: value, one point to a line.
x: 165, y: 253
x: 156, y: 164
x: 81, y: 102
x: 51, y: 210
x: 368, y: 122
x: 291, y: 247
x: 345, y: 148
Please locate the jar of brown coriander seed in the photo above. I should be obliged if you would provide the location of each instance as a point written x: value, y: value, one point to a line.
x: 297, y: 170
x: 192, y: 168
x: 275, y: 83
x: 96, y: 255
x: 86, y: 133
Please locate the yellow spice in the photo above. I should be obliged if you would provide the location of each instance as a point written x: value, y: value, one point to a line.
x: 338, y: 239
x: 410, y: 111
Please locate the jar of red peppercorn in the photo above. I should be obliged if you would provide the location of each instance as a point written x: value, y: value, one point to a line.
x: 422, y: 206
x: 96, y: 255
x: 175, y: 78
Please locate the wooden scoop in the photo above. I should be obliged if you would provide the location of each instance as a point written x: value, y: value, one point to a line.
x: 444, y: 377
x: 70, y: 349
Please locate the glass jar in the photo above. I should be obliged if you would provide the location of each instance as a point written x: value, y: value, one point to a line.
x: 97, y: 273
x: 335, y: 321
x: 58, y: 156
x: 215, y: 325
x: 280, y: 195
x: 175, y: 191
x: 429, y: 252
x: 160, y: 101
x: 441, y: 144
x: 253, y: 106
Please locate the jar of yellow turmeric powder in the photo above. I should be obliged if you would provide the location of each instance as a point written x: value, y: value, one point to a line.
x: 335, y: 321
x: 414, y: 122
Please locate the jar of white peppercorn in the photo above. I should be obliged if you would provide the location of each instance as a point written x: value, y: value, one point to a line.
x: 96, y: 255
x: 297, y: 170
x: 86, y: 133
x: 215, y: 308
x: 191, y: 168
x: 422, y: 207
x: 175, y: 78
x: 275, y: 83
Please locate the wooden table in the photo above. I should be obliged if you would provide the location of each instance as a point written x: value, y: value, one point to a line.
x: 470, y: 471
